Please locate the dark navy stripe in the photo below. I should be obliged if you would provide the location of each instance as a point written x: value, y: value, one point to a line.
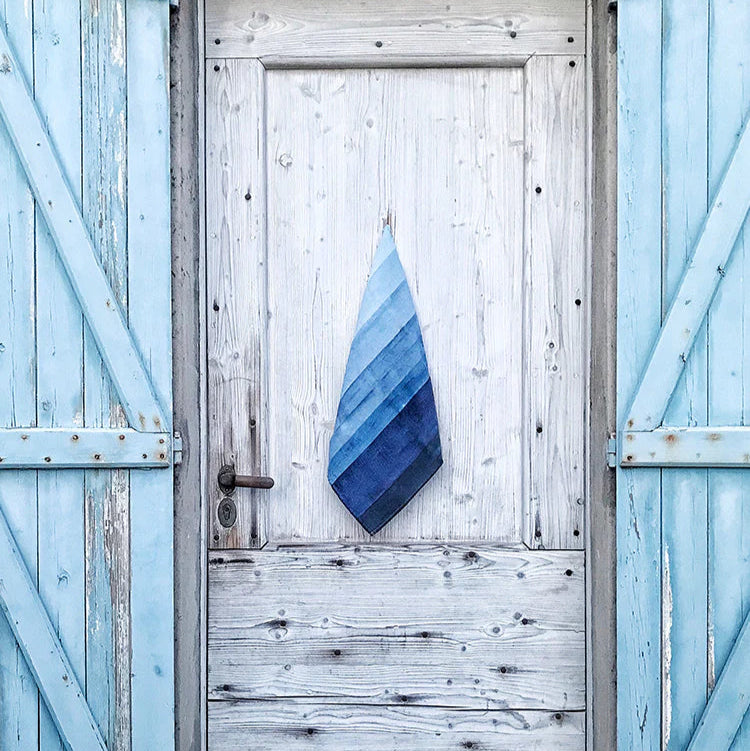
x: 403, y: 490
x: 385, y: 411
x: 390, y: 453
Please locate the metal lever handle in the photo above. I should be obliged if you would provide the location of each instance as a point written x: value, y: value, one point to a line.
x: 229, y: 480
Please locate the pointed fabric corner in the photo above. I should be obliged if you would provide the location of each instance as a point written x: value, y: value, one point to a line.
x: 385, y: 445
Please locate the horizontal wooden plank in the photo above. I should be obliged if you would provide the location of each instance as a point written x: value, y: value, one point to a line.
x: 447, y: 625
x: 63, y: 218
x: 686, y: 447
x: 378, y: 32
x: 42, y: 650
x: 66, y: 448
x: 292, y: 726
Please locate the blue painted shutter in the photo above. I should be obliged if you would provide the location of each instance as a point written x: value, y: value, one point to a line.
x: 86, y: 449
x: 683, y: 532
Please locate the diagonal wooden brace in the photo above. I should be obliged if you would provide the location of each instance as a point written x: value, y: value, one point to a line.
x: 75, y: 247
x: 698, y: 286
x: 41, y: 647
x: 729, y: 701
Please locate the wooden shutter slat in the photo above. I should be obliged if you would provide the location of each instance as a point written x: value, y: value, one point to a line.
x: 67, y: 448
x: 74, y: 245
x: 43, y: 651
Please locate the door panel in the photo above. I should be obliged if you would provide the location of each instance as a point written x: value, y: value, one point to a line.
x: 444, y: 625
x: 441, y: 153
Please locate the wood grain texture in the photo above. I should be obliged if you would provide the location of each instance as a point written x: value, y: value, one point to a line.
x: 557, y: 272
x: 684, y: 492
x: 454, y: 201
x: 639, y: 285
x: 61, y: 556
x: 19, y: 726
x: 150, y: 314
x: 729, y: 350
x: 238, y: 421
x: 376, y: 33
x: 443, y: 625
x: 294, y: 726
x: 107, y: 493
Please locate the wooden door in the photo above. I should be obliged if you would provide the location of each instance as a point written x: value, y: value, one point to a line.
x: 86, y: 447
x: 460, y: 624
x: 683, y: 376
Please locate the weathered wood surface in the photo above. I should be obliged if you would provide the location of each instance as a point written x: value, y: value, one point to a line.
x: 72, y: 526
x: 639, y: 318
x: 19, y: 724
x: 236, y: 288
x: 65, y: 709
x: 294, y: 32
x: 729, y: 350
x: 482, y: 627
x: 684, y: 492
x: 149, y: 274
x: 268, y: 726
x: 557, y: 265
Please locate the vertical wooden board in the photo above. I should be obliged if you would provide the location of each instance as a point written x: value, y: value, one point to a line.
x: 729, y: 369
x: 638, y: 321
x: 150, y: 313
x: 18, y: 695
x: 149, y: 262
x: 57, y: 89
x: 104, y: 155
x: 556, y: 280
x: 438, y: 153
x: 684, y: 491
x: 236, y: 248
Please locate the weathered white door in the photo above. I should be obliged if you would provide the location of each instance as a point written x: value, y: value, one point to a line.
x: 460, y: 624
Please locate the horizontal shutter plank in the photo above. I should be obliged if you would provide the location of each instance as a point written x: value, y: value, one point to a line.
x: 686, y: 447
x: 66, y: 448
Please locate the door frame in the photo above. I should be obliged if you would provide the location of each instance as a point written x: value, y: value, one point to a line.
x: 187, y: 55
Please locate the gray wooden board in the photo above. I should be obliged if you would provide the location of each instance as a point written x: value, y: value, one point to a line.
x: 441, y: 625
x: 294, y: 726
x: 294, y: 32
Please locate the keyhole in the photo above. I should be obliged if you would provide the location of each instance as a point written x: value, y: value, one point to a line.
x: 227, y: 513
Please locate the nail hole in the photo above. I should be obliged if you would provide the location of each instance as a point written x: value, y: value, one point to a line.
x: 571, y: 40
x: 539, y: 428
x: 217, y: 68
x: 578, y: 300
x: 538, y: 533
x: 247, y: 196
x: 576, y: 533
x: 568, y: 572
x: 538, y: 189
x: 572, y: 63
x: 378, y: 43
x: 217, y: 41
x: 513, y: 34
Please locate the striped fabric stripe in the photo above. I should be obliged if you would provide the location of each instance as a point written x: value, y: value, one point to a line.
x: 385, y: 444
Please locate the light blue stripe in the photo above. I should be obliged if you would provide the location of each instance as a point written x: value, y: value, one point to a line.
x: 383, y: 282
x: 389, y: 319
